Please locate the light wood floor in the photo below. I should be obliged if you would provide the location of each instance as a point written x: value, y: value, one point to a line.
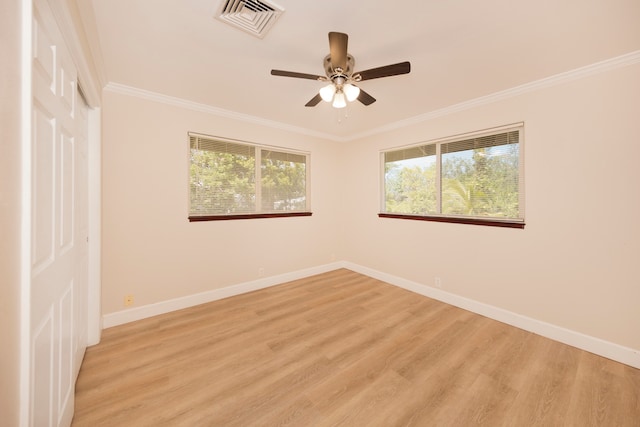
x: 343, y: 349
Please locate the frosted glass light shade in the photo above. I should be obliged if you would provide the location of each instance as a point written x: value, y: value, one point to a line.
x: 352, y: 92
x: 327, y: 92
x: 339, y: 101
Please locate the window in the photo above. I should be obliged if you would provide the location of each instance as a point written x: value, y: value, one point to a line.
x: 237, y: 180
x: 476, y: 179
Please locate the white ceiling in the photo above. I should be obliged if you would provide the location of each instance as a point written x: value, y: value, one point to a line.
x: 459, y: 50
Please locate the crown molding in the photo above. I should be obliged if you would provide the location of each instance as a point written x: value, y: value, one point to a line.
x: 209, y: 109
x: 557, y: 79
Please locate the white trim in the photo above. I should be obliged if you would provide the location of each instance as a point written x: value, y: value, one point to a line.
x: 25, y: 207
x: 567, y: 76
x: 91, y: 85
x: 619, y: 353
x: 87, y: 30
x: 143, y: 312
x: 603, y: 348
x: 208, y: 109
x: 94, y: 310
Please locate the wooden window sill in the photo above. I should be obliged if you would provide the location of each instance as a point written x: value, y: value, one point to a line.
x: 457, y: 220
x: 247, y: 216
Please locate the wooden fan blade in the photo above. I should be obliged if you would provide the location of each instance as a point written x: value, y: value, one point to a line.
x: 314, y: 101
x: 365, y: 98
x: 296, y: 75
x: 338, y: 50
x: 386, y: 71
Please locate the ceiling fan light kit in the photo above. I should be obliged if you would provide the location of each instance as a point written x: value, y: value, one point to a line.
x: 339, y: 100
x: 327, y: 92
x: 339, y: 66
x: 338, y: 93
x: 351, y: 91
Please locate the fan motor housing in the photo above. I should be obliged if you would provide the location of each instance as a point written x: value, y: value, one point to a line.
x: 332, y: 73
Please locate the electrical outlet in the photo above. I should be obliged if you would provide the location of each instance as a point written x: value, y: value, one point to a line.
x: 438, y: 282
x: 128, y: 300
x: 261, y: 272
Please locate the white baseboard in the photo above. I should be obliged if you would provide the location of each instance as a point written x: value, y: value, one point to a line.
x: 588, y: 343
x: 138, y: 313
x: 603, y: 348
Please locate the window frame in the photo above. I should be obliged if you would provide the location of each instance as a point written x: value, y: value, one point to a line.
x: 258, y: 213
x: 451, y: 218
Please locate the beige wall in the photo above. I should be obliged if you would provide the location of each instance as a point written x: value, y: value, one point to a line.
x: 10, y: 211
x: 150, y: 249
x: 575, y: 264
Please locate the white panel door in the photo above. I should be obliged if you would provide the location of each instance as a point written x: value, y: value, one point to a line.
x: 59, y: 274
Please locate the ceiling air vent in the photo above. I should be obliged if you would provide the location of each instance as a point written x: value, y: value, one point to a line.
x: 255, y: 17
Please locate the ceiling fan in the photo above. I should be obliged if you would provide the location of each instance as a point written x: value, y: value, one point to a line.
x: 339, y: 70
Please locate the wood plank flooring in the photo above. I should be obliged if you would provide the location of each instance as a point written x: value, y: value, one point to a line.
x: 343, y: 349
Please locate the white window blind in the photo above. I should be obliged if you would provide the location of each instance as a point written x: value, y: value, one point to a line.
x: 410, y: 180
x: 283, y: 181
x: 478, y: 176
x: 236, y: 178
